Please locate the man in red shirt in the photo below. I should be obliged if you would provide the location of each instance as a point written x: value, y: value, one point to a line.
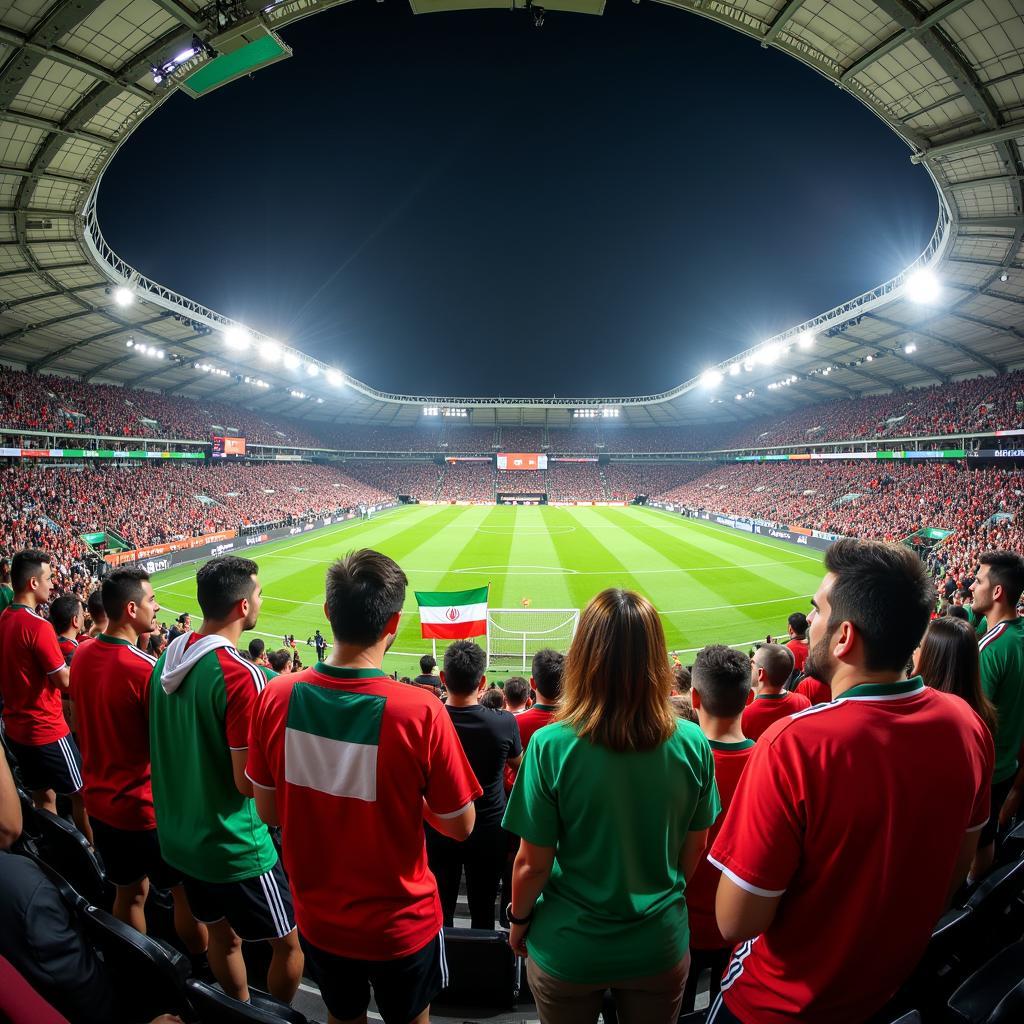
x: 771, y: 667
x: 720, y: 692
x: 33, y: 678
x: 340, y: 751
x: 110, y: 694
x: 835, y: 819
x: 67, y: 618
x: 814, y: 690
x: 797, y: 643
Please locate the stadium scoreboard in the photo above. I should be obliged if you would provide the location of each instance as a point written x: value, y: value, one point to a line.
x: 521, y: 460
x: 228, y: 447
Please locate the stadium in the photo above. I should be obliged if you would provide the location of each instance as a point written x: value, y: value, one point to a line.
x: 142, y: 430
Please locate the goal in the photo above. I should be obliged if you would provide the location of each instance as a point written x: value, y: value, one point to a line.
x: 514, y: 635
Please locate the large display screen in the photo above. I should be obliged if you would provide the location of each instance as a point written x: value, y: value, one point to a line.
x: 519, y: 460
x: 228, y: 447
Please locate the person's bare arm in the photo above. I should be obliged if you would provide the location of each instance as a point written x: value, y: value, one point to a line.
x: 266, y: 803
x: 692, y: 852
x: 10, y: 807
x: 238, y: 760
x: 741, y: 914
x: 964, y: 857
x: 61, y: 678
x: 457, y: 826
x: 515, y: 762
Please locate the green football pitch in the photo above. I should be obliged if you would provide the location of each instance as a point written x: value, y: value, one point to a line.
x: 711, y: 584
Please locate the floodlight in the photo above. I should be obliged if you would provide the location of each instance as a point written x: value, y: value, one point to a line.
x: 130, y: 342
x: 312, y: 369
x: 334, y: 378
x: 237, y: 337
x: 124, y: 296
x: 1004, y: 277
x: 910, y: 349
x: 922, y: 286
x: 748, y: 365
x: 292, y: 361
x: 711, y: 378
x: 806, y: 339
x: 739, y: 398
x: 767, y: 354
x: 734, y: 369
x: 270, y: 351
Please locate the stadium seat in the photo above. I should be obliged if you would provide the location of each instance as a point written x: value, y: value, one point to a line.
x: 74, y: 900
x: 995, y: 904
x: 483, y: 972
x: 67, y: 851
x: 150, y: 976
x: 994, y: 994
x: 214, y: 1007
x: 1012, y: 847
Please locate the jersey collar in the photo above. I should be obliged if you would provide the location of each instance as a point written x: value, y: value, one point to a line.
x: 544, y: 707
x: 113, y: 640
x: 885, y: 691
x: 348, y: 673
x: 772, y: 696
x: 731, y: 747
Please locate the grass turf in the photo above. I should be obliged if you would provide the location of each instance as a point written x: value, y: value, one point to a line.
x: 711, y: 584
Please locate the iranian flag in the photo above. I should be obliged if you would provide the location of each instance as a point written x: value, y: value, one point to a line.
x: 452, y: 614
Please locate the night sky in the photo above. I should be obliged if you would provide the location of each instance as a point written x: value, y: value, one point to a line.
x: 464, y: 203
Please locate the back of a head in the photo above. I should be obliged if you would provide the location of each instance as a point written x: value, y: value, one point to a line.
x: 682, y: 678
x: 427, y: 664
x: 94, y: 606
x: 957, y: 611
x: 682, y: 705
x: 222, y: 583
x: 798, y: 623
x: 257, y: 648
x: 464, y: 664
x: 721, y: 677
x: 617, y: 680
x: 777, y: 662
x: 493, y: 699
x: 5, y: 569
x: 517, y: 691
x: 63, y: 612
x: 949, y: 661
x: 547, y: 668
x: 886, y: 592
x: 26, y: 564
x: 120, y: 588
x: 1006, y: 570
x: 364, y: 590
x: 280, y: 660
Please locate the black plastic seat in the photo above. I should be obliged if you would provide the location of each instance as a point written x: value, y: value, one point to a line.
x: 994, y: 994
x: 67, y: 851
x: 1012, y: 847
x: 214, y: 1007
x: 994, y: 904
x: 150, y: 975
x: 483, y: 972
x: 74, y: 900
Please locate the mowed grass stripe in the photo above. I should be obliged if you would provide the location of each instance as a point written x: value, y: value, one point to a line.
x: 534, y: 551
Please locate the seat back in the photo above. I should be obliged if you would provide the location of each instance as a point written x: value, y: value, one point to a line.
x: 993, y: 904
x: 993, y: 994
x: 150, y: 975
x: 214, y: 1007
x: 483, y: 972
x: 74, y: 901
x: 67, y: 851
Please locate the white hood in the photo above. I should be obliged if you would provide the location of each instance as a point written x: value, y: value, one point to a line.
x: 178, y: 662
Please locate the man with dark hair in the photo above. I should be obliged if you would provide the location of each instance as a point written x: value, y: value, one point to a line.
x: 346, y: 761
x: 321, y: 645
x: 796, y: 626
x: 257, y: 652
x: 110, y: 692
x: 996, y: 591
x: 426, y: 679
x: 33, y: 681
x: 771, y: 666
x: 491, y: 740
x: 94, y: 606
x: 517, y: 695
x: 720, y: 692
x: 279, y: 660
x: 6, y: 591
x: 67, y: 619
x: 834, y: 817
x: 200, y: 703
x: 182, y: 625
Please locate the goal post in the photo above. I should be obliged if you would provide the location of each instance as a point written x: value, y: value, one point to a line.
x: 514, y: 635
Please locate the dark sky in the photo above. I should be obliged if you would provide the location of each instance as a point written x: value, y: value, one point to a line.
x: 464, y: 203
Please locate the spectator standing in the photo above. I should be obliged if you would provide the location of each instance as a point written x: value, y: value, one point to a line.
x: 517, y: 695
x: 490, y: 740
x: 426, y: 678
x: 321, y: 645
x: 67, y: 619
x: 340, y: 751
x: 948, y: 660
x: 258, y: 654
x: 770, y: 668
x: 996, y: 590
x: 33, y: 680
x: 279, y: 661
x: 721, y: 690
x: 814, y: 690
x: 182, y: 624
x: 6, y: 591
x: 109, y: 690
x: 94, y: 606
x: 832, y: 809
x: 796, y: 626
x: 621, y: 793
x: 201, y: 700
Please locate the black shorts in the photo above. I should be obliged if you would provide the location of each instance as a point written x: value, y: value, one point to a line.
x: 1000, y: 791
x: 256, y: 908
x: 56, y: 766
x: 129, y: 856
x: 719, y: 1013
x: 402, y: 988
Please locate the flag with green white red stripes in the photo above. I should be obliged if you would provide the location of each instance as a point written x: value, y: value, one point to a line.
x: 452, y: 614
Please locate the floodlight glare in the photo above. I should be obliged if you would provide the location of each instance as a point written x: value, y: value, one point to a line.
x: 734, y: 369
x: 237, y: 337
x: 124, y: 296
x: 922, y: 286
x: 806, y: 339
x: 312, y: 369
x: 291, y: 361
x: 910, y: 349
x: 767, y: 354
x: 270, y: 351
x: 711, y: 378
x: 334, y: 378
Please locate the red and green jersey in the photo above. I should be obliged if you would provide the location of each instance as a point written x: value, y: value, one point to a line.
x: 853, y: 814
x: 207, y: 828
x: 814, y: 690
x: 67, y: 647
x: 798, y: 648
x: 730, y: 760
x: 6, y: 596
x: 1002, y: 678
x: 29, y: 656
x: 352, y: 757
x: 529, y: 722
x: 767, y: 708
x: 110, y: 691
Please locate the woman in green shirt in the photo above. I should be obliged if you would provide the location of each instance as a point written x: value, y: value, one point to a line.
x: 613, y: 802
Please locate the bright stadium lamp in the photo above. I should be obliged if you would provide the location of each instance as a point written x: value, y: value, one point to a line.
x: 806, y: 339
x: 270, y: 351
x: 767, y: 354
x: 124, y: 296
x: 922, y: 286
x: 334, y: 378
x: 291, y: 361
x: 237, y: 337
x: 910, y: 349
x: 711, y: 378
x: 312, y: 369
x: 734, y: 369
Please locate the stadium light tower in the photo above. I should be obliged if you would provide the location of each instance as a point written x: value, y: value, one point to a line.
x: 124, y: 296
x: 237, y: 338
x: 923, y: 286
x: 711, y: 378
x: 806, y: 339
x: 270, y: 351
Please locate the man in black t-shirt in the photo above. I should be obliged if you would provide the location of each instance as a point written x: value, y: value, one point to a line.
x: 426, y: 679
x: 490, y: 740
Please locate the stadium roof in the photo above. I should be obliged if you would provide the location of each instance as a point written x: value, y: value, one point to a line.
x: 77, y: 76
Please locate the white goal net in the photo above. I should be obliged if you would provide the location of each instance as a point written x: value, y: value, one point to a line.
x: 514, y: 635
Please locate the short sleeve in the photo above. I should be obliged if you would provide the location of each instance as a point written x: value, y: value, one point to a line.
x: 257, y: 766
x: 760, y: 844
x: 242, y: 682
x: 982, y: 808
x: 990, y: 671
x: 709, y: 805
x: 451, y: 784
x: 532, y: 811
x: 515, y: 740
x: 46, y: 650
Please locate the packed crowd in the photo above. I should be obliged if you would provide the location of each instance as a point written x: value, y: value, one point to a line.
x: 467, y: 481
x: 417, y: 479
x: 626, y: 480
x: 629, y: 811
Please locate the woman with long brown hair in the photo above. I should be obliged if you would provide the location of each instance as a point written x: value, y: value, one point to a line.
x: 948, y: 660
x: 613, y: 802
